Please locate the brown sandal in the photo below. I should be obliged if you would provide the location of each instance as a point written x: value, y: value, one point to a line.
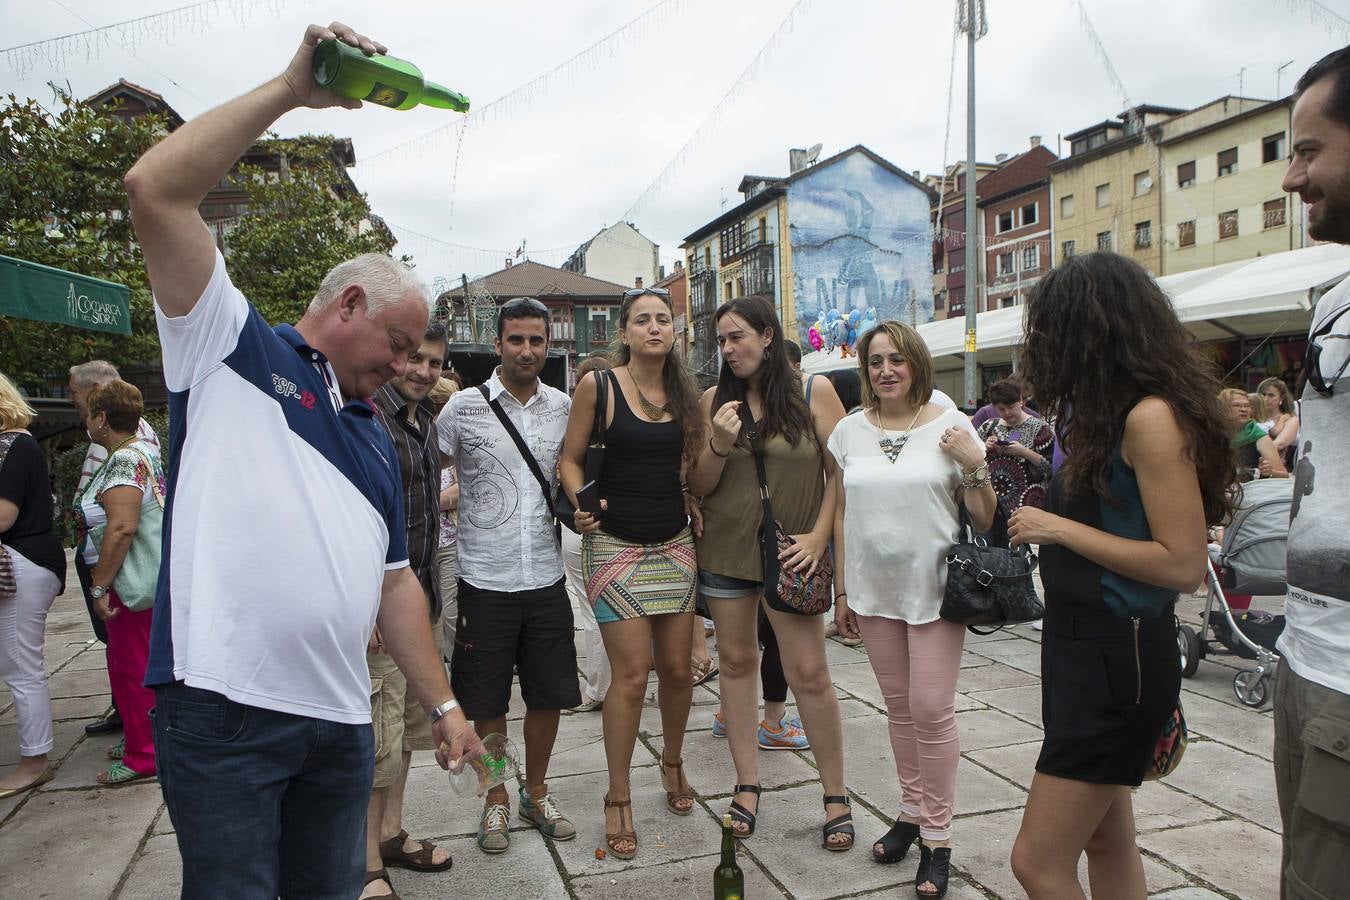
x: 613, y: 837
x: 378, y: 875
x: 420, y: 860
x: 682, y: 789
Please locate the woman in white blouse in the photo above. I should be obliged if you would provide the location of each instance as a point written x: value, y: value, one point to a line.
x: 905, y: 466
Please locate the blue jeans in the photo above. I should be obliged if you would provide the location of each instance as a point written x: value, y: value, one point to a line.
x: 265, y: 804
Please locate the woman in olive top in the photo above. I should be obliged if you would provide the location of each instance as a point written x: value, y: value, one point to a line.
x: 756, y: 374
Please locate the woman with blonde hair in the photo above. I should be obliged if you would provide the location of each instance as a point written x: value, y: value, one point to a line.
x: 906, y: 467
x: 1250, y: 441
x: 32, y: 573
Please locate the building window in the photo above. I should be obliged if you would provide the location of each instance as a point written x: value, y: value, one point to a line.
x: 1186, y: 233
x: 1272, y: 213
x: 1143, y: 235
x: 1186, y: 174
x: 1228, y: 224
x: 1143, y: 183
x: 1005, y: 264
x: 707, y: 256
x: 1005, y: 221
x: 1227, y: 161
x: 726, y: 291
x: 939, y: 300
x: 733, y: 240
x: 1066, y: 206
x: 1005, y: 302
x: 1066, y: 250
x: 763, y: 229
x: 1031, y: 258
x: 1104, y: 241
x: 1030, y: 214
x: 599, y: 324
x: 1103, y: 195
x: 1272, y: 148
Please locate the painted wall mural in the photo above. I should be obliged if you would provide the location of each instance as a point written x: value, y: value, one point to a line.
x: 861, y: 252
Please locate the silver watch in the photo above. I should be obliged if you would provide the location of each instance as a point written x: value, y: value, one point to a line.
x: 98, y: 592
x: 441, y: 711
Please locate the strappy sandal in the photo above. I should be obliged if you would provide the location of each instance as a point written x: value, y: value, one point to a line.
x: 613, y: 837
x: 377, y: 875
x: 420, y: 860
x: 682, y: 789
x: 740, y: 814
x: 119, y: 774
x: 935, y: 866
x: 895, y: 843
x: 838, y: 825
x: 703, y: 671
x: 118, y: 750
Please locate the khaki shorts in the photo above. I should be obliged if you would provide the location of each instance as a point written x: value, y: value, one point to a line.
x: 399, y: 721
x: 447, y: 571
x: 1312, y: 785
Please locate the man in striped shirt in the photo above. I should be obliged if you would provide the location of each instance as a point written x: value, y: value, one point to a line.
x: 402, y: 407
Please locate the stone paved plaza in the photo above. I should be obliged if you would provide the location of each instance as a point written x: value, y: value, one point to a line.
x: 1210, y: 830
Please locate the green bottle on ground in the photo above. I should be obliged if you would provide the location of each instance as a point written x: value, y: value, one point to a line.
x: 387, y: 80
x: 728, y: 879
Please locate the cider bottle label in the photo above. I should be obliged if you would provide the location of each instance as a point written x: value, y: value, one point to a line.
x: 386, y: 95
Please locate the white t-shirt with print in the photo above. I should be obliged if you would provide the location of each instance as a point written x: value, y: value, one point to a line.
x: 900, y: 518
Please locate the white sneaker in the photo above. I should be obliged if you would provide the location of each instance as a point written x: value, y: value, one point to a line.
x: 1038, y: 625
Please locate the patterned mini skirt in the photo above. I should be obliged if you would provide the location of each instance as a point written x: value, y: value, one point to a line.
x: 625, y: 580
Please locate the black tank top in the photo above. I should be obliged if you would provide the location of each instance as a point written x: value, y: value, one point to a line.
x: 641, y: 478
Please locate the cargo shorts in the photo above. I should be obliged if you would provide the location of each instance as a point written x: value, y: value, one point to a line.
x: 400, y: 723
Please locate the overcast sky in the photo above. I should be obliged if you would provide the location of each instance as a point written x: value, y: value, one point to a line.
x: 555, y: 166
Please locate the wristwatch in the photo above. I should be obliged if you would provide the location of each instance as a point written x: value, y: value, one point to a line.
x: 441, y: 711
x: 98, y: 592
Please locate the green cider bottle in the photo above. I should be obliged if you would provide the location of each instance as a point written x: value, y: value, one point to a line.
x: 728, y: 879
x: 396, y: 83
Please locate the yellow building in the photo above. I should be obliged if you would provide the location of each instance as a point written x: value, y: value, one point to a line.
x: 1222, y: 199
x: 1104, y: 195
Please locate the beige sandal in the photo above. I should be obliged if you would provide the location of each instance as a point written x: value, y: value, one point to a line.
x: 612, y: 838
x: 682, y: 789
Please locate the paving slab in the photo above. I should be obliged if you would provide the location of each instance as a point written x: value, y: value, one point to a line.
x: 1019, y: 654
x: 1016, y: 762
x: 1231, y: 780
x: 983, y: 728
x: 525, y: 872
x: 983, y: 850
x: 1230, y: 855
x: 1158, y: 805
x: 65, y: 734
x: 676, y: 880
x: 91, y: 659
x: 79, y: 683
x: 711, y: 773
x: 1237, y: 726
x: 994, y: 677
x: 81, y: 767
x: 43, y: 845
x: 1022, y: 702
x: 81, y: 707
x: 157, y: 874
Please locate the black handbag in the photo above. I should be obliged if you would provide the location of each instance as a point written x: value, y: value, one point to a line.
x: 988, y: 582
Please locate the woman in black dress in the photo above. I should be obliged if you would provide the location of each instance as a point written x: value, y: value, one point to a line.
x: 1148, y: 468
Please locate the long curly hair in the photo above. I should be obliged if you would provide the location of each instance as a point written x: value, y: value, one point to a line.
x: 780, y: 385
x: 681, y: 395
x: 1100, y: 333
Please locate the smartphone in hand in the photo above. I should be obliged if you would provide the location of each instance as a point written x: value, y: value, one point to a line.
x: 588, y: 498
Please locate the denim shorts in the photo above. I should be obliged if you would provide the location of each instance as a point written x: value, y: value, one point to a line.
x: 724, y: 586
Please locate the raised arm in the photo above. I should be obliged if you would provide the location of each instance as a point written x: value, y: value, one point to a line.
x: 168, y: 183
x: 723, y: 427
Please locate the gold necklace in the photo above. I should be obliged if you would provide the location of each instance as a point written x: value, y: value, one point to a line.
x: 650, y: 409
x: 892, y: 446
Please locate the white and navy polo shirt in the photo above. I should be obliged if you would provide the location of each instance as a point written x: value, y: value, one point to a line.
x: 284, y: 512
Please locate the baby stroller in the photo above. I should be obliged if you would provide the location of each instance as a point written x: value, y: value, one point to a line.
x: 1252, y: 560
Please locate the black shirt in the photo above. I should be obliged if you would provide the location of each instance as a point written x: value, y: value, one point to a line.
x: 641, y: 479
x: 25, y: 482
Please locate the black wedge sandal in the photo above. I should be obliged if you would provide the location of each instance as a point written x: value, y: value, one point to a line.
x: 838, y: 825
x: 895, y: 843
x: 742, y: 815
x: 935, y: 866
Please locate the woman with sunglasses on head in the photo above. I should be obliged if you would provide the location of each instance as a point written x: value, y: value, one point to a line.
x: 1148, y: 466
x: 906, y: 466
x: 637, y: 555
x: 758, y: 384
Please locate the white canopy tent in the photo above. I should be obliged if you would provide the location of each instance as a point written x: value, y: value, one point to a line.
x: 1264, y: 296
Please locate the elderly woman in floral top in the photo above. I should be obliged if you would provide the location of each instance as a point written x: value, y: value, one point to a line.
x: 1019, y: 448
x: 110, y: 509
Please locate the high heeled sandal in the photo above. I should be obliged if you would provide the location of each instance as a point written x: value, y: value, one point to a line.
x: 838, y: 825
x: 935, y: 866
x: 742, y: 815
x: 682, y: 789
x: 895, y: 843
x: 613, y: 837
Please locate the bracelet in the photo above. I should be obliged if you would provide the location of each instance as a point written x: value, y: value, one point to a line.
x: 976, y: 479
x: 838, y: 594
x: 714, y: 450
x: 443, y: 710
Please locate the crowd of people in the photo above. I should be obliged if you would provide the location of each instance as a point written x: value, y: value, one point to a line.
x: 279, y: 697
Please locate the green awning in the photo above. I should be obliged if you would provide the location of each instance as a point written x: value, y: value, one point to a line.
x: 30, y: 290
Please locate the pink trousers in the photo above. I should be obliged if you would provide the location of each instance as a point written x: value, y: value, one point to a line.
x: 916, y: 667
x: 128, y: 654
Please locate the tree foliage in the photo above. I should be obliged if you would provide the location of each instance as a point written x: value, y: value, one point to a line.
x: 62, y: 204
x: 304, y: 217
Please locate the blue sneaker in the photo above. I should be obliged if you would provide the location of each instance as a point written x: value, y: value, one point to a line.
x: 719, y: 725
x: 786, y: 735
